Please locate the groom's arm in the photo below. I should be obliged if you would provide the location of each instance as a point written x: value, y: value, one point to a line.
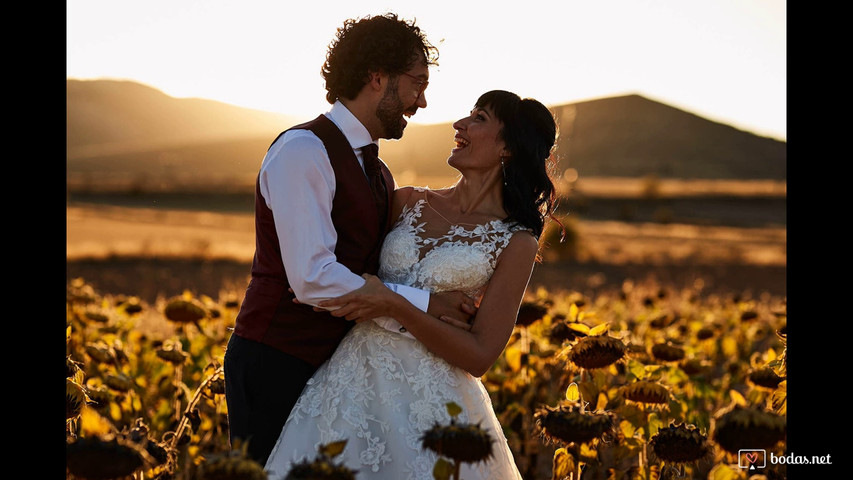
x: 298, y: 184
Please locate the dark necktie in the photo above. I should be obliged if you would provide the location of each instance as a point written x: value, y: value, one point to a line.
x: 372, y: 168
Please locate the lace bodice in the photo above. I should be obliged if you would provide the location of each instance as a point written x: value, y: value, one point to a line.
x: 427, y: 254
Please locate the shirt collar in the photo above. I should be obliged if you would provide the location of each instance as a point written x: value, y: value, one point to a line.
x: 356, y: 133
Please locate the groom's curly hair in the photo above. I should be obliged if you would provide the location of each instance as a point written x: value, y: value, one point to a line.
x: 383, y: 43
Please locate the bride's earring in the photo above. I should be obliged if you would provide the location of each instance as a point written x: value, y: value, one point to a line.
x: 503, y: 168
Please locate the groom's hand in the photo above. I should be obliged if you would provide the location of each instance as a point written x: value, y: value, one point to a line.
x: 454, y: 308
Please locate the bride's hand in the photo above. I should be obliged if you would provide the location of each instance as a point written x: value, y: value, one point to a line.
x: 370, y: 301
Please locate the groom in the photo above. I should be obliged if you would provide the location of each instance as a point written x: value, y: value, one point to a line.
x: 322, y: 209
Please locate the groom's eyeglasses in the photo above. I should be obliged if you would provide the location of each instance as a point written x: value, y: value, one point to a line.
x: 421, y: 84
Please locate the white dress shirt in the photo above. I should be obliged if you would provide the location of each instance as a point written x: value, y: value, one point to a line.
x: 297, y: 183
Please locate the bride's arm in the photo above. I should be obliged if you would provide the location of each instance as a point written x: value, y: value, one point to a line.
x: 476, y: 350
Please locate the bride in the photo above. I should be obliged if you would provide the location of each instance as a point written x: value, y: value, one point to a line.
x: 391, y: 377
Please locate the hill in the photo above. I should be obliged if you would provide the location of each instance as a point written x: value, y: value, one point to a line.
x: 124, y: 135
x: 632, y: 136
x: 105, y: 117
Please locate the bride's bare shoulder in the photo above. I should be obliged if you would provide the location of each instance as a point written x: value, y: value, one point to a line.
x: 402, y: 197
x: 402, y: 194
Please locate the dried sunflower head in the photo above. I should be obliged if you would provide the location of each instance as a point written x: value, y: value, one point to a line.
x: 100, y: 397
x: 679, y: 444
x: 705, y: 333
x: 597, y: 351
x: 172, y: 352
x: 666, y: 352
x: 130, y: 305
x: 663, y: 320
x: 318, y: 470
x: 561, y: 331
x: 564, y: 425
x: 160, y: 452
x: 460, y: 442
x: 530, y: 312
x: 646, y: 392
x: 216, y: 386
x: 73, y: 369
x: 694, y: 366
x: 139, y: 433
x: 182, y: 310
x: 748, y: 427
x: 119, y: 382
x: 322, y: 468
x: 100, y: 352
x: 96, y: 317
x: 765, y: 378
x: 80, y: 292
x: 104, y: 458
x: 75, y: 399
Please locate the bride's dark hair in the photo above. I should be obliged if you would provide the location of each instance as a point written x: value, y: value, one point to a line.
x: 530, y: 133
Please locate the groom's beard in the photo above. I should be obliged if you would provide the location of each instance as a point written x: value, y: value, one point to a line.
x: 390, y: 111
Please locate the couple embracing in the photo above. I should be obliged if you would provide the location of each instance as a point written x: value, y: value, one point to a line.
x: 371, y: 306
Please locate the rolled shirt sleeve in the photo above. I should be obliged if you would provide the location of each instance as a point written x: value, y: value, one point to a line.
x: 297, y: 183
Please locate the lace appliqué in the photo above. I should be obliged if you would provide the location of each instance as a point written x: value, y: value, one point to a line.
x: 446, y: 262
x: 341, y: 399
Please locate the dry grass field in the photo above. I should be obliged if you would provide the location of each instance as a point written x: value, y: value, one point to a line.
x: 151, y: 252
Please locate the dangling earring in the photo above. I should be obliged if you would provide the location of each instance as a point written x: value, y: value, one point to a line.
x: 503, y: 168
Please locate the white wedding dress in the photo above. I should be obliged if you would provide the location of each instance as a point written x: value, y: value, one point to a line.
x: 382, y: 389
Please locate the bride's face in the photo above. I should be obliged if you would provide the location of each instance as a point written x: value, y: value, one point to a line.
x: 478, y: 142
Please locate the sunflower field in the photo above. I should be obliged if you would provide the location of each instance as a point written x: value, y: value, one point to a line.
x: 644, y: 383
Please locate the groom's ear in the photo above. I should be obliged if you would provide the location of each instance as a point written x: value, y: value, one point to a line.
x: 377, y: 80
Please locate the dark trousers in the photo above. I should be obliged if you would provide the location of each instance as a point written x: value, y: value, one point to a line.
x: 262, y: 384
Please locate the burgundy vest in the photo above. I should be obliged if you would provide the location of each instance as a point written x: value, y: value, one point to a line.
x: 268, y: 314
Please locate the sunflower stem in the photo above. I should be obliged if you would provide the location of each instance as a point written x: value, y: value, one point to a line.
x: 644, y: 459
x: 177, y: 383
x: 185, y: 420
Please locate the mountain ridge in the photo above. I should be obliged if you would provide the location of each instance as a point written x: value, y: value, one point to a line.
x: 132, y: 134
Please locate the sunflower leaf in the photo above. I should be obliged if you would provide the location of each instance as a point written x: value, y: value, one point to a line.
x: 572, y: 393
x: 442, y: 469
x: 333, y: 449
x: 453, y: 409
x: 599, y: 329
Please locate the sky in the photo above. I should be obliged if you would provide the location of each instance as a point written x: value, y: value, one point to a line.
x: 724, y: 60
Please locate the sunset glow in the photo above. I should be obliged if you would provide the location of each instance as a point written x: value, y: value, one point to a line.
x: 721, y: 59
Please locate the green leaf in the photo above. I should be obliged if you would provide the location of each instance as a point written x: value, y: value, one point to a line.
x: 737, y: 398
x: 655, y: 423
x: 636, y: 369
x: 564, y: 464
x: 627, y: 428
x: 513, y: 358
x: 722, y: 472
x: 602, y: 401
x: 579, y: 327
x: 442, y: 469
x: 599, y: 329
x: 453, y: 409
x: 572, y: 393
x: 333, y: 449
